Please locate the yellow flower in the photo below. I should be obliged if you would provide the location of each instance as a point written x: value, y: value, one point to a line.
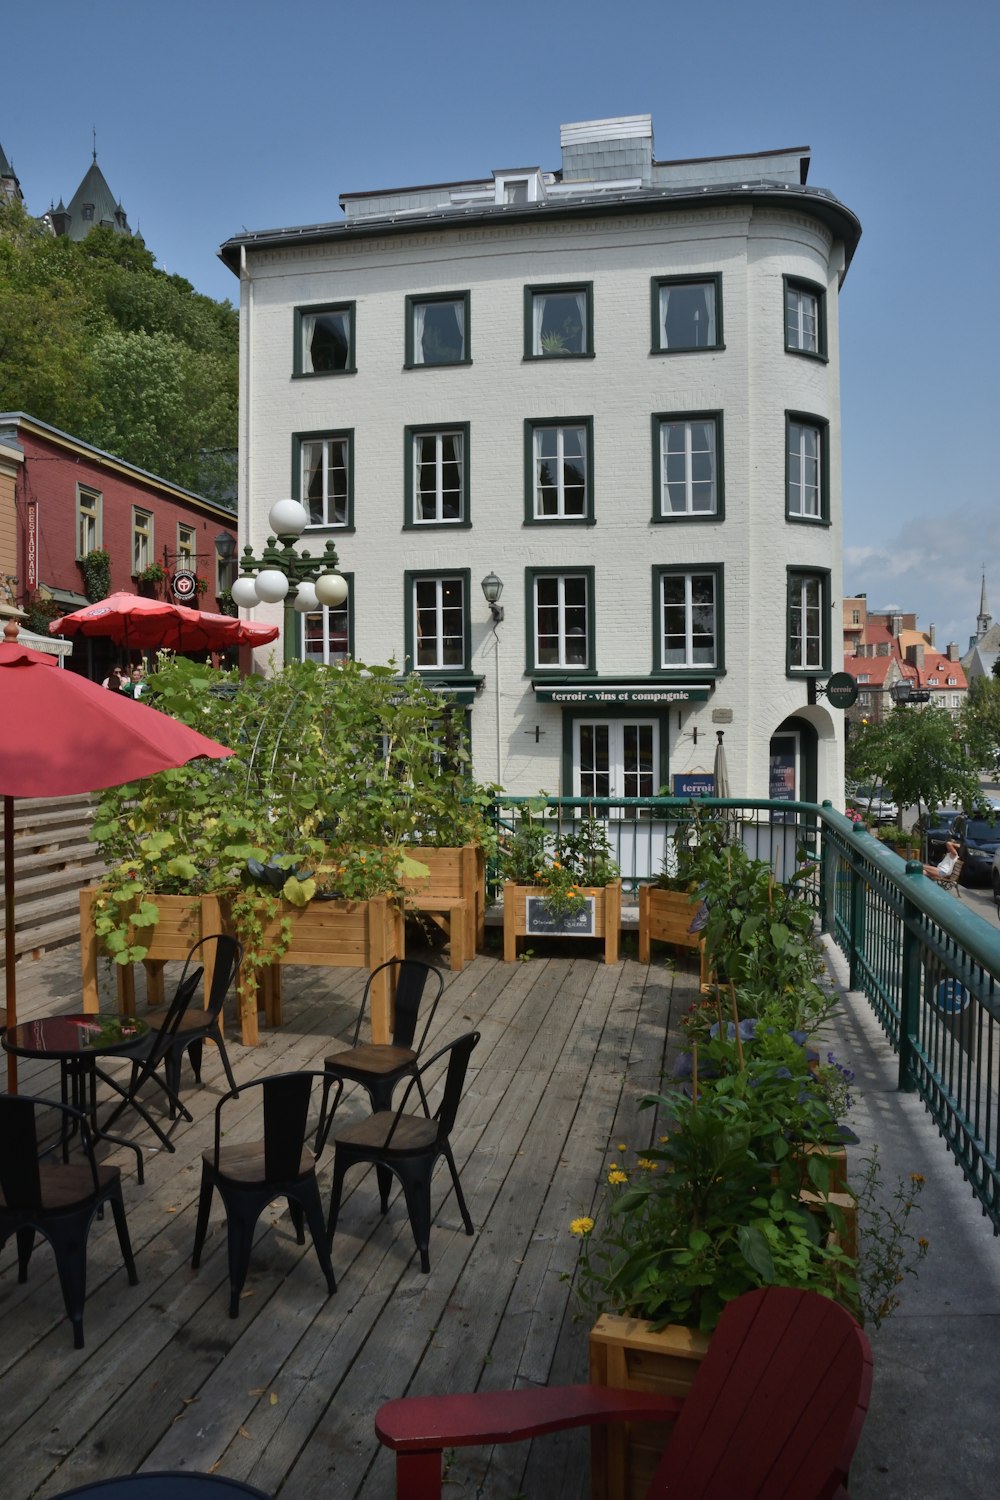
x: 615, y: 1177
x: 646, y: 1164
x: 923, y: 1242
x: 556, y: 865
x: 916, y: 1176
x: 581, y: 1226
x: 622, y: 1146
x: 664, y: 1139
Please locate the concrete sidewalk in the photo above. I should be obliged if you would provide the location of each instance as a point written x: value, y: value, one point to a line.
x: 931, y: 1428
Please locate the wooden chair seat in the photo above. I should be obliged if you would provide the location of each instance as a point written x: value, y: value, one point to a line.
x: 64, y: 1187
x: 412, y: 1133
x: 357, y: 1062
x: 245, y: 1163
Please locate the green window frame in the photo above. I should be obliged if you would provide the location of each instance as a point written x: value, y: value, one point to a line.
x: 680, y: 588
x: 557, y: 317
x: 688, y: 466
x: 429, y: 328
x: 326, y: 635
x: 436, y: 466
x: 323, y: 477
x: 567, y: 611
x: 809, y: 627
x: 324, y: 340
x: 559, y: 471
x: 805, y: 317
x: 434, y: 597
x: 807, y: 469
x: 691, y: 321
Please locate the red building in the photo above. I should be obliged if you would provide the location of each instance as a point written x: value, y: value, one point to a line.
x: 64, y: 503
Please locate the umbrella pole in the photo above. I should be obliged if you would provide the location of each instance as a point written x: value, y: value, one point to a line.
x: 8, y: 901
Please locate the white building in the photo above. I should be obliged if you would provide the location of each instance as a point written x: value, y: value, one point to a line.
x: 614, y: 386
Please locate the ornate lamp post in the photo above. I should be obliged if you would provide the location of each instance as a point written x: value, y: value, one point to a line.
x: 281, y: 574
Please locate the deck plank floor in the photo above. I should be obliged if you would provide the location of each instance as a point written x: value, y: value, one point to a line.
x: 285, y: 1396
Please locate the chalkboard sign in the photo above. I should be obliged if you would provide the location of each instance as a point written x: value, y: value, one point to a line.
x: 539, y: 921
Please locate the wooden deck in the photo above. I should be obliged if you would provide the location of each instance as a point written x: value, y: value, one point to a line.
x: 285, y: 1396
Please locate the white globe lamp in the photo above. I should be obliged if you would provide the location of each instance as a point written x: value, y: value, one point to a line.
x: 331, y: 589
x: 244, y: 593
x: 306, y: 600
x: 287, y: 518
x: 272, y: 585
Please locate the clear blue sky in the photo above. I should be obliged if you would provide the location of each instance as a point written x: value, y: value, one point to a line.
x: 223, y: 114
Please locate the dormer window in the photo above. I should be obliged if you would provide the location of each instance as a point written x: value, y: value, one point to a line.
x: 513, y: 188
x: 87, y: 211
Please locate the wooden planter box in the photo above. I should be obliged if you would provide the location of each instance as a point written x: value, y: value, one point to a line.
x: 607, y: 918
x: 452, y: 894
x: 330, y: 934
x: 624, y: 1352
x: 665, y: 917
x: 184, y: 920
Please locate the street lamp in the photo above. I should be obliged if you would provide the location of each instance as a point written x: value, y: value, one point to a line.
x: 282, y: 575
x: 492, y: 587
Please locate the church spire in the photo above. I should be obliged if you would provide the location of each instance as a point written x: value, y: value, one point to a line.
x: 984, y: 619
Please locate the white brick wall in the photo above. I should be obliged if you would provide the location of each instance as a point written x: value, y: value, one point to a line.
x: 752, y: 380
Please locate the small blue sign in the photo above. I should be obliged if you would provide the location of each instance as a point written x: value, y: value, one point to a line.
x: 698, y: 784
x: 951, y: 998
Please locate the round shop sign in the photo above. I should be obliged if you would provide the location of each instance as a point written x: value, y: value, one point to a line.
x: 185, y: 584
x: 841, y: 690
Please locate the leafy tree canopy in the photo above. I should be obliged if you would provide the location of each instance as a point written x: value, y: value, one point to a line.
x: 98, y: 341
x: 920, y: 755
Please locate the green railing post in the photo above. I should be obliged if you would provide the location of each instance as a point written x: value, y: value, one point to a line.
x: 856, y: 935
x: 827, y: 879
x: 909, y: 996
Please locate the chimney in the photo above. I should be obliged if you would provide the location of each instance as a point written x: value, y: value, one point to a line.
x: 915, y: 656
x: 953, y: 651
x: 930, y: 635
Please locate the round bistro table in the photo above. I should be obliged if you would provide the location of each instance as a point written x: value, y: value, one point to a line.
x: 176, y: 1485
x: 76, y: 1042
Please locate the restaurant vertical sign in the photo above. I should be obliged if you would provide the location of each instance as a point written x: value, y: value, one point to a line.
x: 31, y: 548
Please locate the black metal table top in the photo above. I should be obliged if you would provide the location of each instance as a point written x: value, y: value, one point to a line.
x: 173, y: 1486
x: 75, y: 1036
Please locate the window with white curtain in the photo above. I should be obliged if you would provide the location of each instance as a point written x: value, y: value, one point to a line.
x: 560, y: 321
x: 689, y: 633
x: 560, y: 466
x: 324, y: 339
x: 142, y: 539
x: 325, y: 474
x: 807, y: 624
x: 806, y: 498
x: 689, y: 464
x: 561, y: 613
x: 437, y: 332
x: 89, y: 507
x: 438, y: 479
x: 687, y: 313
x: 438, y: 620
x: 805, y: 317
x: 326, y: 635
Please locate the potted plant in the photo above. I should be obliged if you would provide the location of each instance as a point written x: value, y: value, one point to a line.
x: 560, y: 884
x: 148, y: 580
x: 670, y: 906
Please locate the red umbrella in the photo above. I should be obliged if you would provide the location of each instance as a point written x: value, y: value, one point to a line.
x: 82, y: 738
x: 140, y: 624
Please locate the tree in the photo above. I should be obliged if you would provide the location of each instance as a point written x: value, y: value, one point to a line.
x: 920, y: 756
x: 981, y: 719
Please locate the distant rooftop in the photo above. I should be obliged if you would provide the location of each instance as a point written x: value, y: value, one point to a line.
x: 605, y: 164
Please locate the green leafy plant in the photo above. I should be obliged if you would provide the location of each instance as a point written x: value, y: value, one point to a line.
x: 888, y: 1250
x: 560, y: 864
x: 96, y: 574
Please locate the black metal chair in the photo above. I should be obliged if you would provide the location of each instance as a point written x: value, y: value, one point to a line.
x: 251, y: 1174
x: 378, y: 1068
x: 55, y: 1199
x: 408, y: 1147
x: 197, y: 1026
x: 147, y: 1055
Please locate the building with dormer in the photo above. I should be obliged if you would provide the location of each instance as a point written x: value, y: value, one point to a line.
x: 612, y: 388
x: 93, y: 203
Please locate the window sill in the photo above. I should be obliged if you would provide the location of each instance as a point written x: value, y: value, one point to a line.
x: 322, y: 374
x: 700, y: 349
x: 683, y: 517
x: 816, y: 355
x: 441, y: 364
x: 554, y: 359
x: 794, y: 520
x: 465, y: 525
x: 560, y: 521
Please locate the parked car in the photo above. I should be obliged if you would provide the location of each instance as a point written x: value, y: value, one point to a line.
x: 934, y: 828
x: 978, y: 840
x: 869, y: 801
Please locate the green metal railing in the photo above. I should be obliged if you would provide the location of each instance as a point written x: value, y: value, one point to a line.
x: 929, y: 967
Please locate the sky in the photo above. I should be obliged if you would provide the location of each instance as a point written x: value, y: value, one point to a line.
x: 214, y: 116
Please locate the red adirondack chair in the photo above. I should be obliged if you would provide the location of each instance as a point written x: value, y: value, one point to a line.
x: 775, y: 1411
